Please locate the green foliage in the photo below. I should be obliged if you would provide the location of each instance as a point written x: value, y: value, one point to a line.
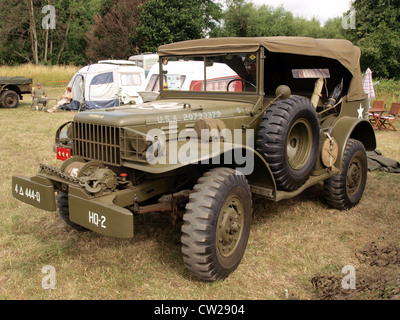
x: 77, y: 16
x: 166, y: 21
x: 89, y: 30
x: 113, y: 33
x: 14, y: 31
x: 63, y: 45
x: 387, y: 90
x: 243, y: 18
x: 237, y: 19
x: 147, y: 25
x: 377, y: 30
x: 333, y: 28
x: 377, y: 33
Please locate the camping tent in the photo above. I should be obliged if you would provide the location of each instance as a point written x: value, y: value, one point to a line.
x: 107, y: 84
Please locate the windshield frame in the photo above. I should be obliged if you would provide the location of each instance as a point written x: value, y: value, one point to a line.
x: 205, y: 58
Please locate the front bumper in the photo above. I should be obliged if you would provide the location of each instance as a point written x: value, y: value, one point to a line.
x: 37, y: 191
x: 105, y: 215
x: 101, y: 215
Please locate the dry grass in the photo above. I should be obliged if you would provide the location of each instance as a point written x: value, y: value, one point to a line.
x: 47, y: 75
x: 290, y: 241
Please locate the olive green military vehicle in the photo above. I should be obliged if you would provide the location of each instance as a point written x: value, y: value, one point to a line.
x: 266, y: 116
x: 12, y: 89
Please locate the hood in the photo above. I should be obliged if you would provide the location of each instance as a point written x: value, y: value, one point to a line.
x: 163, y: 112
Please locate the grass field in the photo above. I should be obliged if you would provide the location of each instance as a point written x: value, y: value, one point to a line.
x: 291, y: 242
x: 47, y: 75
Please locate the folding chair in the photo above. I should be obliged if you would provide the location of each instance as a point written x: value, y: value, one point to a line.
x: 378, y: 104
x: 389, y: 119
x: 376, y: 112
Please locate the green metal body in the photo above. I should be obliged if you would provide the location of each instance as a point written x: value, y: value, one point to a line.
x: 114, y: 136
x: 19, y: 85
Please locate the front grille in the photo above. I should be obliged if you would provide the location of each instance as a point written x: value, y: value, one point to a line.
x: 97, y: 142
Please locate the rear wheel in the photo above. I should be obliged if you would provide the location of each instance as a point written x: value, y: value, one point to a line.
x: 345, y: 190
x: 216, y: 224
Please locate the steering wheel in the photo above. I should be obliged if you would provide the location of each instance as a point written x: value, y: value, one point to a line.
x: 241, y: 80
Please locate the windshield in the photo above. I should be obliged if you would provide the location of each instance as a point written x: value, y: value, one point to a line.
x: 236, y: 73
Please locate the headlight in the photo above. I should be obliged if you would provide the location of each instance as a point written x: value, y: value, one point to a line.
x: 64, y: 136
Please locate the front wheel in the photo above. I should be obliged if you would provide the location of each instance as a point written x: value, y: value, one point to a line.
x: 216, y: 224
x: 63, y: 210
x: 345, y: 190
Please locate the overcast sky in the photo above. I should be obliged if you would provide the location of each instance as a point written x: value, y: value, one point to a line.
x: 321, y: 9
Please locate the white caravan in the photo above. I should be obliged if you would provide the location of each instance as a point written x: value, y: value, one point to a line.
x: 145, y: 61
x: 105, y: 84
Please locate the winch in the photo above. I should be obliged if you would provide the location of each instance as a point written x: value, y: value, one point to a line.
x: 93, y: 175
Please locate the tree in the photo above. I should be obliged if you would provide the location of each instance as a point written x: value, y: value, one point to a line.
x: 113, y: 34
x: 15, y: 31
x: 244, y: 19
x: 377, y: 33
x: 74, y: 20
x: 33, y: 32
x: 166, y: 21
x: 333, y: 29
x: 238, y: 19
x: 23, y: 38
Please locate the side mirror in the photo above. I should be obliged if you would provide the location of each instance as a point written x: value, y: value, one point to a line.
x: 283, y: 92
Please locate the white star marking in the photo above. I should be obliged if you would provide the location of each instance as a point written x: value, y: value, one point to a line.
x: 360, y: 112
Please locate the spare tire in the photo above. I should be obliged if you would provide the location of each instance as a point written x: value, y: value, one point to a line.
x: 288, y: 140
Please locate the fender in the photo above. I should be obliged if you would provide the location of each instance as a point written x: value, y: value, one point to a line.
x: 359, y: 129
x: 243, y: 158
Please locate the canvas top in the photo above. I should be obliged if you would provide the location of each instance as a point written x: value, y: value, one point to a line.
x: 15, y: 80
x: 341, y: 50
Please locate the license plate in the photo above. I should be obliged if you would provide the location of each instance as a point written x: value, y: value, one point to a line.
x: 63, y: 153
